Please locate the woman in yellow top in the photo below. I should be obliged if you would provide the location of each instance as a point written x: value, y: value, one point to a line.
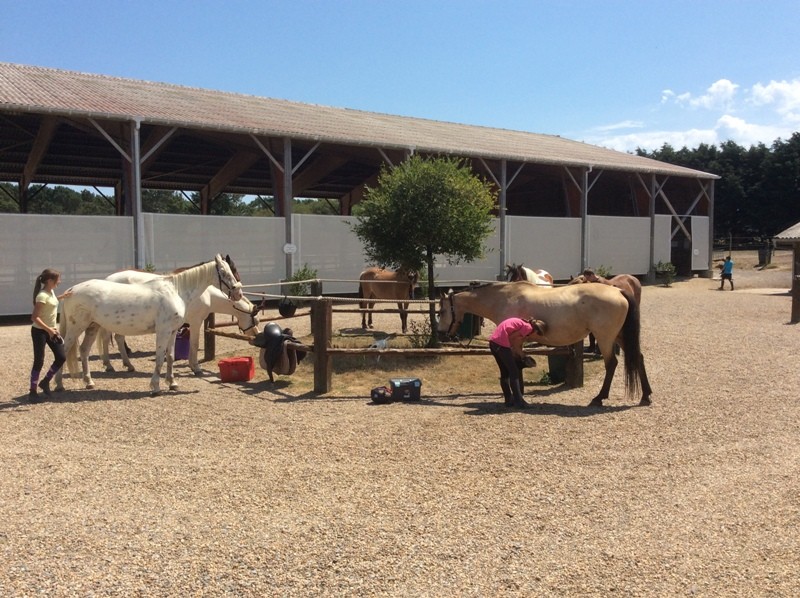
x: 44, y: 331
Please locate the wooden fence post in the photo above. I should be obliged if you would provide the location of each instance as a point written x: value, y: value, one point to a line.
x: 209, y: 338
x: 322, y: 328
x: 573, y: 371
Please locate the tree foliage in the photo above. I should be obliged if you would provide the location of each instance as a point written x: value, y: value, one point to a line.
x: 424, y: 208
x: 758, y: 194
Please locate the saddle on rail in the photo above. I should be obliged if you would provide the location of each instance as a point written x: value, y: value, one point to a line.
x: 276, y: 355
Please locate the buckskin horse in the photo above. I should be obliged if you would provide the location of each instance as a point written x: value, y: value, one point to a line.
x: 157, y: 306
x: 378, y: 283
x: 570, y: 312
x: 625, y: 282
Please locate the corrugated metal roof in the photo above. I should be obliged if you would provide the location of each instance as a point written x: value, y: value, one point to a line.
x: 791, y: 234
x: 52, y: 91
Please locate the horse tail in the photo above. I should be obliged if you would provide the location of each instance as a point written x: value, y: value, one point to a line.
x: 631, y: 345
x: 72, y: 353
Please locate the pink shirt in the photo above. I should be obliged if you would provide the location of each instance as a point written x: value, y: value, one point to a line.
x: 500, y: 334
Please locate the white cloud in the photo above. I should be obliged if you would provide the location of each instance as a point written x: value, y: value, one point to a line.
x: 720, y: 94
x: 625, y: 124
x: 726, y: 112
x: 732, y: 128
x: 784, y: 96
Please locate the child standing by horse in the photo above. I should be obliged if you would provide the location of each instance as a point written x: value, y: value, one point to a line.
x: 44, y: 331
x: 506, y: 347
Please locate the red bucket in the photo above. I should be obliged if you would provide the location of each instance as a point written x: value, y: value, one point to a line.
x: 237, y: 369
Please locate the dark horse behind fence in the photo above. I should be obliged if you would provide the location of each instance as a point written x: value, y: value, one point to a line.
x: 378, y: 283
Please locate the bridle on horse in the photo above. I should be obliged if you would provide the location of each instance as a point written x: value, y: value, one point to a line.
x: 453, y: 322
x: 223, y: 284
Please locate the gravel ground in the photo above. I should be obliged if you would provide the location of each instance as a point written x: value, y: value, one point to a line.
x: 233, y: 490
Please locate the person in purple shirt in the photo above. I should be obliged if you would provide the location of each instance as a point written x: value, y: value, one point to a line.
x: 505, y: 345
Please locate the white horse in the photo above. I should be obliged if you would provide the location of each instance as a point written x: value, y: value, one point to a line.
x: 540, y: 277
x: 157, y: 306
x: 212, y: 300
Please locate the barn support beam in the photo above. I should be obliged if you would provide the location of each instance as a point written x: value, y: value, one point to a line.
x: 44, y: 136
x: 286, y: 203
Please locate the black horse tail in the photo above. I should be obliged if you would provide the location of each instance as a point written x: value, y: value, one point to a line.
x: 631, y: 345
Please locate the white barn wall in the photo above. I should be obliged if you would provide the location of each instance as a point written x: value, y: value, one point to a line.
x: 700, y: 242
x: 620, y: 244
x: 255, y: 244
x: 553, y: 244
x: 79, y: 247
x: 84, y: 247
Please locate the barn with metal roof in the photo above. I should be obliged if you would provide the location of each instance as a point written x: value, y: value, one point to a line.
x: 64, y: 127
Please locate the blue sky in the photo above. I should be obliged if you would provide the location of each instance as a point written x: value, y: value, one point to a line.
x: 622, y: 74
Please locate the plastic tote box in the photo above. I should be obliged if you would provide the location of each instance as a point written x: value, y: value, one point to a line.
x: 182, y: 347
x: 237, y: 369
x: 405, y: 389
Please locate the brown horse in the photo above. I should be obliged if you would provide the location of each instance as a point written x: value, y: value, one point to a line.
x: 516, y: 272
x: 626, y: 282
x: 570, y: 312
x: 378, y: 283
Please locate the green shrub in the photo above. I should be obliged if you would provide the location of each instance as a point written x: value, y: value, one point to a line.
x: 666, y: 270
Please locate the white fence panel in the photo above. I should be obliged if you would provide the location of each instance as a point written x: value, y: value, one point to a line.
x: 553, y: 244
x: 255, y: 244
x: 663, y: 239
x: 620, y: 244
x: 487, y: 268
x: 80, y: 247
x: 700, y: 242
x: 329, y: 246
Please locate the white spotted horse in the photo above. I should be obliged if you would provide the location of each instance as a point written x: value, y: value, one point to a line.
x: 157, y: 306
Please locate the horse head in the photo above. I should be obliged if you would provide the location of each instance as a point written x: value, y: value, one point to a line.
x: 448, y: 322
x: 227, y: 281
x: 514, y: 273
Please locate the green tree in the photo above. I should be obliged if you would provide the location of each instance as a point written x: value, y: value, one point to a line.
x: 422, y: 208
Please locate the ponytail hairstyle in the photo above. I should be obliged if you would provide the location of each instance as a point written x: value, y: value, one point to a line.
x: 47, y: 274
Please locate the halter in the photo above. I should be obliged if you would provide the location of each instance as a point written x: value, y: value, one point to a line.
x: 252, y: 314
x: 453, y: 323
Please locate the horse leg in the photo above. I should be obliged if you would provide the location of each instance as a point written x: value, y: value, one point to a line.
x: 85, y: 347
x: 646, y: 390
x: 610, y: 361
x: 194, y: 348
x: 103, y: 338
x: 370, y: 307
x: 403, y: 307
x: 123, y: 352
x: 162, y: 347
x: 169, y: 379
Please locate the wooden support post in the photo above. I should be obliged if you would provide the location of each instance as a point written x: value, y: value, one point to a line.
x: 322, y: 328
x: 573, y: 370
x: 209, y: 338
x: 796, y: 299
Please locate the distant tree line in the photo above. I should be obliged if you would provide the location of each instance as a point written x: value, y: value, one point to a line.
x: 46, y: 199
x: 758, y: 195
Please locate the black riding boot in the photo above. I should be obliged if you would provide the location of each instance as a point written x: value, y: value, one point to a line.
x: 504, y: 384
x: 517, y: 400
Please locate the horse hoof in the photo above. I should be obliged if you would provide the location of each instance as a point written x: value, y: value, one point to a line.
x: 90, y: 386
x: 130, y: 368
x: 173, y: 387
x: 645, y: 401
x: 60, y: 388
x: 109, y: 368
x: 596, y: 402
x: 155, y: 393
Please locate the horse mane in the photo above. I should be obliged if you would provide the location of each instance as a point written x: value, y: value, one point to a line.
x: 191, y: 277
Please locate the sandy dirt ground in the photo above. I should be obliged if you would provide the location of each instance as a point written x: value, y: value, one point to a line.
x: 255, y: 490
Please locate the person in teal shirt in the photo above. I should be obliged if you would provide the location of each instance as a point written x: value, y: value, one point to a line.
x: 727, y: 273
